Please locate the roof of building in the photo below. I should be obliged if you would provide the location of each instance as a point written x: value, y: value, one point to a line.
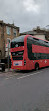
x: 31, y: 33
x: 7, y: 24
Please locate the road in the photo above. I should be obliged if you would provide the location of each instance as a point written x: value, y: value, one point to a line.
x: 24, y: 91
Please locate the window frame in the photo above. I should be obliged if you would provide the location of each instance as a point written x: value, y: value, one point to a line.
x: 8, y: 30
x: 14, y: 32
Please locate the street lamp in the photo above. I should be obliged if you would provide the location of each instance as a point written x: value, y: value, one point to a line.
x: 8, y: 41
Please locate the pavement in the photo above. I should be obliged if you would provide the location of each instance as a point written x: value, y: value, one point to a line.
x: 24, y: 91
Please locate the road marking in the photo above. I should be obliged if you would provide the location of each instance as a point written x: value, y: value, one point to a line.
x: 28, y: 75
x: 10, y: 77
x: 7, y: 78
x: 15, y: 74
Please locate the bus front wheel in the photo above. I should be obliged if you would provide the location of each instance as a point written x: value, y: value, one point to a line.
x: 36, y: 66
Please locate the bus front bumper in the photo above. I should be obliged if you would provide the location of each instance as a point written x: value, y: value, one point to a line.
x: 19, y: 68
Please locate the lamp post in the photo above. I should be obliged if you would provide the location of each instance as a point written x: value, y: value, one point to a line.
x: 8, y: 40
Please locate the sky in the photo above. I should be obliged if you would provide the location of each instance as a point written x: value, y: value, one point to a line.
x: 26, y: 14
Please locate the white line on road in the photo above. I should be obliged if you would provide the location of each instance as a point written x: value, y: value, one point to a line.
x: 29, y: 75
x: 7, y: 78
x: 10, y: 77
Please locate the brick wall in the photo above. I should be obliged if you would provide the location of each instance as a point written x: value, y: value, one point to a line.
x: 4, y: 36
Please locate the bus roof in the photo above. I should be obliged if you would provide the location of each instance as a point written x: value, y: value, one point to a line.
x: 21, y: 38
x: 18, y: 39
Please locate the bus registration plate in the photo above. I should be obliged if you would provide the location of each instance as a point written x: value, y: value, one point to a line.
x: 17, y: 63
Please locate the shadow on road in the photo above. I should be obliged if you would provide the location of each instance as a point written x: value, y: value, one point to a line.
x: 28, y: 71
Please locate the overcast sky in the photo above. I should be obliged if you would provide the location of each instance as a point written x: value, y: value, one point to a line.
x: 26, y: 14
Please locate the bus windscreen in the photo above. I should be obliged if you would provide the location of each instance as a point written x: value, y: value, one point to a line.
x: 17, y: 42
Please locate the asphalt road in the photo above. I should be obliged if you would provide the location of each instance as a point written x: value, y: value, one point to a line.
x: 24, y: 91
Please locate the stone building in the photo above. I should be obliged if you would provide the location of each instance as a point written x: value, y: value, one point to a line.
x: 38, y: 32
x: 6, y: 31
x: 40, y: 35
x: 43, y: 31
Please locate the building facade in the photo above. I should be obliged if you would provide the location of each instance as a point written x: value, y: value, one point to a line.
x: 38, y: 32
x: 40, y: 35
x: 7, y: 31
x: 43, y: 31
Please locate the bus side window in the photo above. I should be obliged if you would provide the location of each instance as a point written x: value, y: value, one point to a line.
x: 47, y: 56
x: 35, y: 56
x: 39, y: 55
x: 43, y: 56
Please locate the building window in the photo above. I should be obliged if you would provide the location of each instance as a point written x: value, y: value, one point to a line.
x: 14, y: 32
x: 8, y: 30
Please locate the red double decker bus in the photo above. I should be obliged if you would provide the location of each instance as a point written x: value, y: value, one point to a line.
x: 29, y: 52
